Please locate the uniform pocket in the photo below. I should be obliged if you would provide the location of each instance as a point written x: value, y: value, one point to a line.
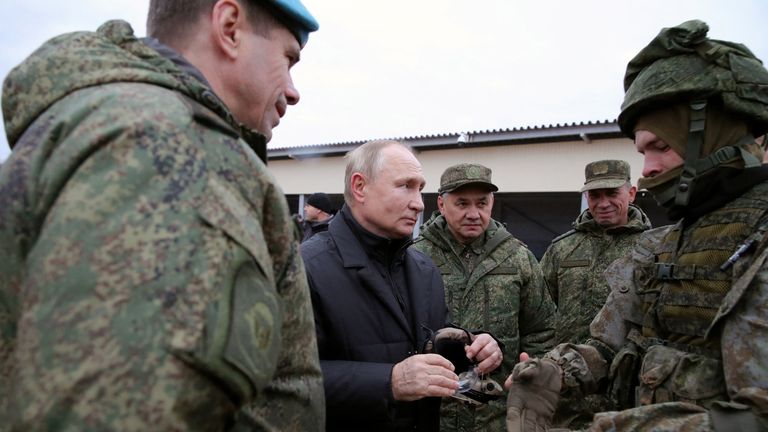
x: 681, y: 376
x: 240, y: 342
x: 697, y: 378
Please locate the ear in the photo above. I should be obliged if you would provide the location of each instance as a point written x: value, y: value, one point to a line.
x: 227, y: 19
x: 441, y: 204
x: 358, y: 183
x: 632, y: 193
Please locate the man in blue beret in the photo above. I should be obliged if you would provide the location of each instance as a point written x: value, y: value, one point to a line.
x: 149, y: 270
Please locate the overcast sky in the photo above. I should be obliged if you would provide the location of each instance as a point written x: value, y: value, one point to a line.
x: 400, y: 68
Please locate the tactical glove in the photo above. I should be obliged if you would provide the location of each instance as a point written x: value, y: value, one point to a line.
x: 534, y: 395
x: 449, y: 342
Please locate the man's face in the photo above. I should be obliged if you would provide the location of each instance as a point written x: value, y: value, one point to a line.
x: 658, y: 155
x: 263, y: 84
x: 311, y: 213
x: 609, y: 207
x: 467, y: 211
x: 392, y: 202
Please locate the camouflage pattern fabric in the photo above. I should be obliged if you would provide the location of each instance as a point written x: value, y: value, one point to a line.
x: 499, y: 289
x: 682, y: 63
x: 573, y: 267
x: 149, y: 270
x: 683, y: 385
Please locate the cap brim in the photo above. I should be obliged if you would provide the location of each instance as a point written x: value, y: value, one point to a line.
x: 604, y: 184
x: 490, y: 186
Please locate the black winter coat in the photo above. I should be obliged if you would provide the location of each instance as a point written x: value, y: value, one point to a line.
x: 362, y: 332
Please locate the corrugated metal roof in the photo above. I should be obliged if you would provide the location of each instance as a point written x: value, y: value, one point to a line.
x: 479, y: 138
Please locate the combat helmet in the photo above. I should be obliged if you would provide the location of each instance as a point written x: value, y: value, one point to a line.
x: 682, y: 64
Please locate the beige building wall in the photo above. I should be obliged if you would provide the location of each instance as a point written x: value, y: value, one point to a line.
x: 541, y: 167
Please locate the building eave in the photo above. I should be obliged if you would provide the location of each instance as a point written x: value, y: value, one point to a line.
x: 585, y: 131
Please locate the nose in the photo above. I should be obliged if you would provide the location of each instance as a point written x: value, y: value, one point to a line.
x: 291, y: 92
x: 603, y: 202
x: 473, y: 212
x: 651, y: 165
x: 417, y: 203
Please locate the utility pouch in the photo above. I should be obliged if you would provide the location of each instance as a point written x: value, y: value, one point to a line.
x: 669, y: 374
x: 623, y: 376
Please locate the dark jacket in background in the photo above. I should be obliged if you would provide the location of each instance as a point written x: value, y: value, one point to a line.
x: 363, y: 329
x: 311, y: 228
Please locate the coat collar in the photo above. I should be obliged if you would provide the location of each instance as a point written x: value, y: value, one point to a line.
x: 354, y: 255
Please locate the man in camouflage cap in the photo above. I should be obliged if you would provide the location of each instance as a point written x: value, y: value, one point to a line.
x: 492, y: 281
x: 149, y: 271
x: 574, y: 263
x: 682, y: 341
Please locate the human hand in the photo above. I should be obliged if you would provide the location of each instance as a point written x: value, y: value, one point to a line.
x: 485, y: 351
x: 533, y: 396
x: 423, y: 375
x: 523, y: 358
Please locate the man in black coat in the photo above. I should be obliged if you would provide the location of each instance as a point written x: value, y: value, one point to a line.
x: 373, y: 297
x: 318, y: 214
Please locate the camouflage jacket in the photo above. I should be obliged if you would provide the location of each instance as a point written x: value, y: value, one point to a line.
x: 691, y: 377
x: 504, y: 294
x: 573, y: 267
x: 149, y: 271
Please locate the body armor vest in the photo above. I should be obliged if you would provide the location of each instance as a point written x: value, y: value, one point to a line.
x: 682, y: 291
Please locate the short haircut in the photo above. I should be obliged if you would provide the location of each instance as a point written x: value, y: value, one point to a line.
x: 368, y: 161
x: 172, y: 21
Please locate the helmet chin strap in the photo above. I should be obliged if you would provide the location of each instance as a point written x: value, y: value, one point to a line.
x: 680, y: 193
x: 692, y: 151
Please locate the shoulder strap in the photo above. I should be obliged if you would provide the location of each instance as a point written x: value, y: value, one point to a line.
x: 564, y: 235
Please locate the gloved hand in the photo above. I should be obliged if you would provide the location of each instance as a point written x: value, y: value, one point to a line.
x: 449, y: 342
x: 534, y: 395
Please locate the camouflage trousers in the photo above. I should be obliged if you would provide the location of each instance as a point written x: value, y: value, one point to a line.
x: 577, y: 412
x: 458, y: 416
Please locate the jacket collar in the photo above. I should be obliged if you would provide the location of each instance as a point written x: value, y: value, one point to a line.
x: 346, y: 233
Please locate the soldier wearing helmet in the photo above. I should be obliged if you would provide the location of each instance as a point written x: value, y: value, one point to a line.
x: 681, y: 342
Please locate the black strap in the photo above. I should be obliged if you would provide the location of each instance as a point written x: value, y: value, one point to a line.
x: 692, y: 152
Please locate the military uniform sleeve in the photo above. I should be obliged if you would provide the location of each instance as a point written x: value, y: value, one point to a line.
x: 293, y: 400
x: 549, y: 265
x: 152, y: 299
x: 745, y: 348
x: 537, y: 312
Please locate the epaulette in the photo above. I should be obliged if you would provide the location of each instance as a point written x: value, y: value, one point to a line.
x: 564, y: 235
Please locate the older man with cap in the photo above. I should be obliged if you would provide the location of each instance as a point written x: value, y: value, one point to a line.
x: 149, y: 270
x: 574, y: 263
x: 492, y: 281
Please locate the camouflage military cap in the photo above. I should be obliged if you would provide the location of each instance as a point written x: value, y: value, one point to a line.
x: 605, y: 174
x: 464, y: 174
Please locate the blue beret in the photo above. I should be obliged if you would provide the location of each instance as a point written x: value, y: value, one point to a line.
x: 296, y: 17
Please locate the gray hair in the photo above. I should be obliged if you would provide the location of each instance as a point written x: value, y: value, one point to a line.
x: 368, y: 161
